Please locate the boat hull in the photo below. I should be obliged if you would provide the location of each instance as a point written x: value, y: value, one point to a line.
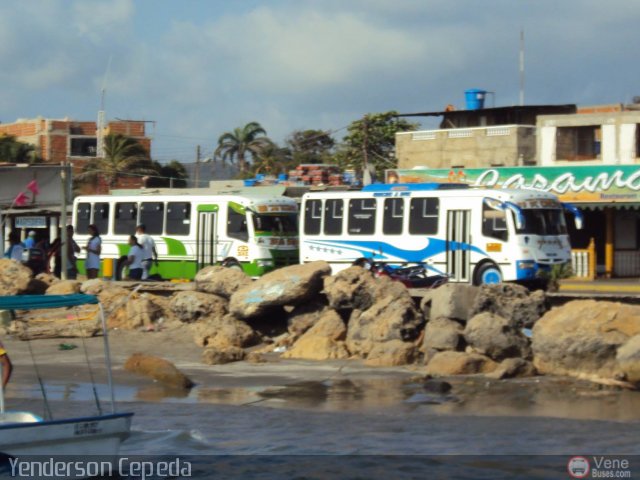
x: 97, y: 435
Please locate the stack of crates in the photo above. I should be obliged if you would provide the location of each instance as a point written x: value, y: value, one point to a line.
x: 316, y: 174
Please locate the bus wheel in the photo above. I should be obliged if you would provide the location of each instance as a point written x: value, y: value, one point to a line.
x: 488, y: 274
x: 232, y: 263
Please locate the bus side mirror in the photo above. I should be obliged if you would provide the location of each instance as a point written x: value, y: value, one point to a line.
x: 577, y: 214
x: 517, y: 213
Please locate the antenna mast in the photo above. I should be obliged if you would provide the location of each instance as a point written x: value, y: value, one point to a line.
x: 101, y: 123
x: 522, y: 67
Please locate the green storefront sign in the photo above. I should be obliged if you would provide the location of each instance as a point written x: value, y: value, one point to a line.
x: 578, y: 184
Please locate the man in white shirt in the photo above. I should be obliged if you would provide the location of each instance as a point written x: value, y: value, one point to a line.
x: 149, y: 247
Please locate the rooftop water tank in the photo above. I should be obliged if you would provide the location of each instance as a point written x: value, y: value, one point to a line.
x: 475, y: 98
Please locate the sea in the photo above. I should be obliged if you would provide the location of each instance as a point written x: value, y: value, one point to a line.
x: 272, y: 439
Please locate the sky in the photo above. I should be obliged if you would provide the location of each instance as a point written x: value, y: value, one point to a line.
x: 198, y: 68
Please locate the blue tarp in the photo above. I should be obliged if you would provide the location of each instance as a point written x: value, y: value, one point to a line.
x: 33, y: 302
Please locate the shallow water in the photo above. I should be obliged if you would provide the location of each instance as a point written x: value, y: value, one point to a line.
x: 374, y: 426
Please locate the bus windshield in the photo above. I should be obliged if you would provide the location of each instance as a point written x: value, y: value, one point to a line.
x: 277, y: 225
x: 543, y: 221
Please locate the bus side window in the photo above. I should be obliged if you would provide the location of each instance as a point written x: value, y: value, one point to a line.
x: 312, y: 217
x: 100, y: 217
x: 362, y: 216
x: 393, y: 216
x: 178, y: 218
x: 152, y: 217
x: 237, y: 225
x: 494, y: 222
x: 423, y: 216
x: 333, y: 214
x: 83, y: 217
x: 126, y: 218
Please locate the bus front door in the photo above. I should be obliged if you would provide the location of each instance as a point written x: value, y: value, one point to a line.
x: 458, y: 245
x: 206, y: 239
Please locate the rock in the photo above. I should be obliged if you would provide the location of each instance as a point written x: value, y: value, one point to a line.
x: 352, y: 288
x: 496, y: 337
x: 433, y: 385
x: 223, y: 332
x: 329, y: 325
x: 451, y: 300
x: 82, y: 322
x: 291, y: 285
x: 582, y: 338
x: 393, y: 316
x: 443, y: 334
x: 513, y: 367
x: 114, y: 300
x: 64, y: 287
x: 510, y: 301
x: 220, y: 356
x: 323, y: 341
x: 39, y: 284
x: 255, y: 357
x: 190, y: 307
x: 303, y: 317
x: 14, y: 277
x: 140, y: 311
x: 391, y: 354
x: 317, y: 348
x: 159, y: 369
x: 459, y: 363
x: 221, y: 281
x: 628, y: 359
x: 94, y: 286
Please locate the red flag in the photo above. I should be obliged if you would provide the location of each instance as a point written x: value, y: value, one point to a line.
x: 33, y: 187
x: 20, y: 200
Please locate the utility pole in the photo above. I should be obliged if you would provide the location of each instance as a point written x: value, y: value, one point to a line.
x: 522, y: 67
x: 197, y: 175
x: 64, y: 257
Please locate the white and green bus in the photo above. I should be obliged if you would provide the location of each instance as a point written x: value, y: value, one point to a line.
x: 248, y: 230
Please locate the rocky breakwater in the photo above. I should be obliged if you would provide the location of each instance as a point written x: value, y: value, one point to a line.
x: 304, y: 312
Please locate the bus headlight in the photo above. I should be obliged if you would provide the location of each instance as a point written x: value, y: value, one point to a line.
x: 264, y: 263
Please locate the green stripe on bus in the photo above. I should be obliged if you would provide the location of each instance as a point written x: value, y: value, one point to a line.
x: 174, y: 247
x: 208, y: 208
x: 236, y: 207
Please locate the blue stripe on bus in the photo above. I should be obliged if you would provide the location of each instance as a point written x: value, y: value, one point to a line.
x: 382, y: 250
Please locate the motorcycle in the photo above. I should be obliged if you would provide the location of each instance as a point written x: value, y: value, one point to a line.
x: 414, y: 276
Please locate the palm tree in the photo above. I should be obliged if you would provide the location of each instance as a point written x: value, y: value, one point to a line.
x: 122, y: 155
x: 235, y: 145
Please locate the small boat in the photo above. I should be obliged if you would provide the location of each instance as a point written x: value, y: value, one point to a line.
x: 25, y: 433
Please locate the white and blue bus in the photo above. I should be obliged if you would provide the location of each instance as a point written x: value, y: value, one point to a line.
x: 471, y: 235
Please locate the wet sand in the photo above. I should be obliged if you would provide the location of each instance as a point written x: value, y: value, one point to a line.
x: 331, y: 386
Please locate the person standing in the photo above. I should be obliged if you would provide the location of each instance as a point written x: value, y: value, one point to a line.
x: 72, y: 254
x: 135, y: 258
x: 149, y: 247
x: 93, y: 248
x: 30, y: 241
x: 15, y: 250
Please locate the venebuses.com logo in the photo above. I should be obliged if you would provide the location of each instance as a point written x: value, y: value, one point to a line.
x: 599, y: 467
x: 578, y: 467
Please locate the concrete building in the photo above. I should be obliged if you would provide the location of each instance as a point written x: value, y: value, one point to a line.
x: 504, y: 136
x: 64, y: 140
